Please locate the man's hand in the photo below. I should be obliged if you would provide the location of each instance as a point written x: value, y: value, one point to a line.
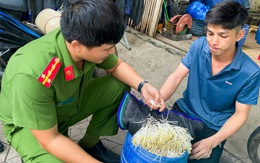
x: 132, y: 79
x: 152, y: 97
x: 202, y: 149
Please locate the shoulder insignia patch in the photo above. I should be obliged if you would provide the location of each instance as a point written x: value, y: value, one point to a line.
x: 50, y: 72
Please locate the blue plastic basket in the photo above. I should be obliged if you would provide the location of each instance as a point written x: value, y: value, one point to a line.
x: 198, y: 27
x: 133, y: 154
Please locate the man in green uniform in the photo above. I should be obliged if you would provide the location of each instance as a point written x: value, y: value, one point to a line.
x: 48, y: 87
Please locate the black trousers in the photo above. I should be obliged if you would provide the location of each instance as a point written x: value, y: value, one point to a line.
x: 205, y: 133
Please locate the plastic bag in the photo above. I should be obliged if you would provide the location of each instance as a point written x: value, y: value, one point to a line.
x: 197, y: 10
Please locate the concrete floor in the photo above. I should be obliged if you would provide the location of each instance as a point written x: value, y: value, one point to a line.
x: 154, y: 60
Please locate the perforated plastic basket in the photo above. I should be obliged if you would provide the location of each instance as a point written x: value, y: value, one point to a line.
x: 198, y: 27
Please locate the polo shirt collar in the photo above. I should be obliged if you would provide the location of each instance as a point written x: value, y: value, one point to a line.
x: 237, y: 61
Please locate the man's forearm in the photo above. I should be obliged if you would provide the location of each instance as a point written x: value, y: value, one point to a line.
x: 68, y: 151
x: 131, y: 78
x: 232, y: 125
x: 173, y: 81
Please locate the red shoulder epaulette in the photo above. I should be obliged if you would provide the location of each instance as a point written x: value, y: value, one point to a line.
x: 50, y: 72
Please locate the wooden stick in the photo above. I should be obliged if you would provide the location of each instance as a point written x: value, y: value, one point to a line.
x: 150, y: 17
x: 154, y: 22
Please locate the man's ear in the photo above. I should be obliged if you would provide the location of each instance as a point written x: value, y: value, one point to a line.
x: 76, y: 45
x: 240, y: 34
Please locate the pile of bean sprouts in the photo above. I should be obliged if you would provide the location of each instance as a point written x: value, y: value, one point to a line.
x: 163, y: 139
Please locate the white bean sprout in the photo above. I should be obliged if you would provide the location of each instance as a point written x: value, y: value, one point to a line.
x: 163, y: 139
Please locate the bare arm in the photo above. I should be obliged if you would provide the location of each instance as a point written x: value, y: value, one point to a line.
x: 52, y: 141
x: 173, y: 81
x: 203, y: 148
x: 128, y: 75
x: 233, y: 124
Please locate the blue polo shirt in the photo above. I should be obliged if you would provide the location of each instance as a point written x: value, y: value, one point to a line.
x: 212, y: 98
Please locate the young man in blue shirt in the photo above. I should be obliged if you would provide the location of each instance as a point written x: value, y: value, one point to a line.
x: 48, y: 87
x: 223, y: 82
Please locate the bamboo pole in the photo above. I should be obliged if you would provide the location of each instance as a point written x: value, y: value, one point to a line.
x: 145, y: 15
x: 150, y: 17
x: 155, y: 19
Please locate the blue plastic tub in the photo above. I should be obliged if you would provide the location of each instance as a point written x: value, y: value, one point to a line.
x: 133, y: 154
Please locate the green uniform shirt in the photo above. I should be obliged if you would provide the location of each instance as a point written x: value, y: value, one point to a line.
x: 26, y: 102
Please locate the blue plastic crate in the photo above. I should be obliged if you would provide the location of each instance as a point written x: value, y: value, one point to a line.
x: 198, y: 27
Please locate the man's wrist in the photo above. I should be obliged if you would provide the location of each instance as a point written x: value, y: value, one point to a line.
x: 140, y: 86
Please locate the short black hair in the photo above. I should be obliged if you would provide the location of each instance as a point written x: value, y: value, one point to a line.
x: 228, y: 14
x: 92, y: 22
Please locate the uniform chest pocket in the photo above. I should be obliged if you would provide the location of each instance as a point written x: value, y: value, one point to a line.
x: 65, y: 102
x: 67, y: 108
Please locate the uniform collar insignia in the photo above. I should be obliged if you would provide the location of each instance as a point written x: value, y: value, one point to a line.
x: 69, y: 73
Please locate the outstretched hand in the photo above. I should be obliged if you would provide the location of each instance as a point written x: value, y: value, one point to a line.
x: 152, y: 97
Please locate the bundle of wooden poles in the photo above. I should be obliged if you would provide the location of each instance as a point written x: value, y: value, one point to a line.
x: 150, y: 18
